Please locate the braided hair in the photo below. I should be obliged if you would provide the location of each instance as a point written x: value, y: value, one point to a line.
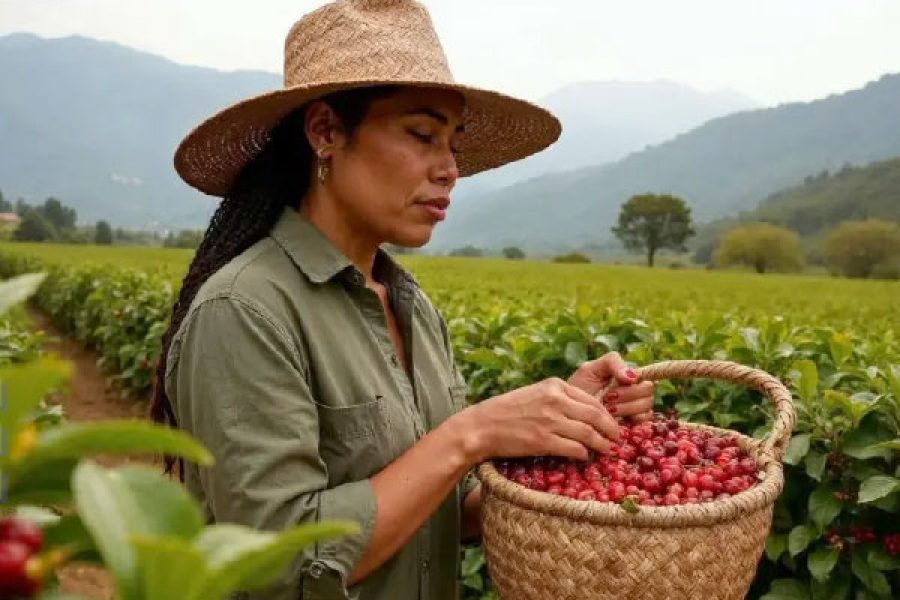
x: 278, y: 176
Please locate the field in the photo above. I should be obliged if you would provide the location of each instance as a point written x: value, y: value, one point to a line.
x: 835, y: 343
x: 828, y: 301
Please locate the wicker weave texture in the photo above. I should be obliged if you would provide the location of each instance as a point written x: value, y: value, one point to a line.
x: 539, y: 557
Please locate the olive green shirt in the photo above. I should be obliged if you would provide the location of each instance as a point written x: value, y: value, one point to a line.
x: 284, y: 368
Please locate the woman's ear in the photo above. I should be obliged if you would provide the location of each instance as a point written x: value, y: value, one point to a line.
x: 322, y: 128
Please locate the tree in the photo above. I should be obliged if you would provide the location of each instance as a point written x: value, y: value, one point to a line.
x: 60, y: 216
x: 651, y: 222
x: 513, y: 253
x: 5, y: 205
x: 186, y: 238
x: 103, y: 235
x: 34, y: 228
x: 856, y: 248
x: 763, y: 246
x: 467, y: 251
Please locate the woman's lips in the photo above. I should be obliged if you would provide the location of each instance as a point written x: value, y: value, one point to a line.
x: 438, y: 213
x: 437, y: 208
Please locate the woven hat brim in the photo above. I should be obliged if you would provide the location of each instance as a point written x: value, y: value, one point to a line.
x: 499, y: 129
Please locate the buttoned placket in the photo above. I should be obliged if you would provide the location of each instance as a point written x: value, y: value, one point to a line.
x: 401, y: 297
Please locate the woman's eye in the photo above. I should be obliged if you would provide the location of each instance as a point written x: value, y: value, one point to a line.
x: 422, y: 137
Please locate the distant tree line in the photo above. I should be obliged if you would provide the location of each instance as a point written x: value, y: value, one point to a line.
x: 53, y: 221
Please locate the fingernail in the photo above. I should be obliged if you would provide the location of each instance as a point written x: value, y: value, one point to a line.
x: 611, y: 408
x: 612, y: 396
x: 630, y: 374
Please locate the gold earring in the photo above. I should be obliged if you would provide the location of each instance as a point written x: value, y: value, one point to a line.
x: 321, y: 169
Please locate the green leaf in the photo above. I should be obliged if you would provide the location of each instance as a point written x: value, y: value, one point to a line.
x: 863, y: 442
x: 797, y: 449
x: 48, y: 485
x: 881, y: 560
x: 776, y: 545
x: 575, y: 353
x: 169, y: 568
x: 841, y: 347
x: 800, y: 537
x: 821, y: 562
x: 877, y: 487
x: 485, y: 358
x: 815, y: 464
x: 823, y: 506
x: 836, y: 587
x: 787, y: 589
x: 891, y: 445
x: 473, y: 560
x: 473, y: 582
x: 38, y: 515
x: 107, y: 509
x: 27, y: 384
x: 871, y: 577
x: 118, y: 504
x: 240, y: 558
x: 76, y: 440
x: 808, y: 380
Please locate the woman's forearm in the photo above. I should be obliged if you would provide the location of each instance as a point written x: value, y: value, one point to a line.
x: 410, y: 489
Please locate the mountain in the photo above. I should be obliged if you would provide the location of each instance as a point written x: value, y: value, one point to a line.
x: 96, y: 125
x: 721, y: 167
x: 824, y: 200
x: 604, y: 121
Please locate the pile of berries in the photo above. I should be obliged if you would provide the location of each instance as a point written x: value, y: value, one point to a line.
x: 656, y: 463
x: 892, y: 544
x: 20, y: 540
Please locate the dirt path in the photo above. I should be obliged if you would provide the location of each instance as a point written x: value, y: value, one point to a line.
x: 87, y: 399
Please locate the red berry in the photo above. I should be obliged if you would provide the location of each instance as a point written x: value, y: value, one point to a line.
x: 17, y: 529
x: 556, y: 477
x: 14, y: 582
x: 671, y: 499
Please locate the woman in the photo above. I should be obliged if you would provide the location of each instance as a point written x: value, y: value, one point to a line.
x: 307, y: 360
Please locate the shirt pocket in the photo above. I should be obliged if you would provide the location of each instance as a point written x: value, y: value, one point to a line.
x: 355, y: 441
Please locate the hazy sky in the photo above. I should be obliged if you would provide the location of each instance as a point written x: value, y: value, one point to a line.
x: 772, y: 50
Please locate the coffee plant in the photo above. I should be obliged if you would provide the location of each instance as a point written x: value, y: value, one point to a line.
x: 834, y: 343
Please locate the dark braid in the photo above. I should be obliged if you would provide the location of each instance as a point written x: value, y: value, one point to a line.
x: 278, y: 176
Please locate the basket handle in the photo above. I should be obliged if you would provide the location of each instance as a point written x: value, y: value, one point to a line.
x: 776, y: 442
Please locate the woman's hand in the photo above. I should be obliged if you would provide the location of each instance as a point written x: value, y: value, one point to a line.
x: 625, y: 398
x: 551, y: 417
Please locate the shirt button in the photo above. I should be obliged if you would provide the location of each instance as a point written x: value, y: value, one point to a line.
x: 394, y: 360
x: 425, y: 567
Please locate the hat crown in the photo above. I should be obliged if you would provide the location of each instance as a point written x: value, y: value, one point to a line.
x: 352, y: 40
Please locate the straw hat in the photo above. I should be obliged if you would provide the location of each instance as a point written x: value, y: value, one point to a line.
x: 360, y: 43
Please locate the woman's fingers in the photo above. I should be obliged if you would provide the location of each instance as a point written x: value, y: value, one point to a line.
x: 631, y: 400
x: 589, y: 409
x: 582, y: 433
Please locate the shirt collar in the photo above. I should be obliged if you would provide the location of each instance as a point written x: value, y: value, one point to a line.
x: 321, y: 261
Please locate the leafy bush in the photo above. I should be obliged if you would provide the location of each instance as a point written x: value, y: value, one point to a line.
x: 572, y: 258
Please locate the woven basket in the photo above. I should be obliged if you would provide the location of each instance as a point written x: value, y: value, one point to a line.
x: 541, y: 546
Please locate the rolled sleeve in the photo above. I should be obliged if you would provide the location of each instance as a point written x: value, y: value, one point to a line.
x: 240, y: 387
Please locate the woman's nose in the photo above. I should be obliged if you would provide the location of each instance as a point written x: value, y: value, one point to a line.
x: 447, y: 172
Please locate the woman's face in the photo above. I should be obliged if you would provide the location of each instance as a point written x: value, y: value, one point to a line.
x: 392, y: 179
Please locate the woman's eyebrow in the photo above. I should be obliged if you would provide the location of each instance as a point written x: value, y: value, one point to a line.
x: 434, y: 114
